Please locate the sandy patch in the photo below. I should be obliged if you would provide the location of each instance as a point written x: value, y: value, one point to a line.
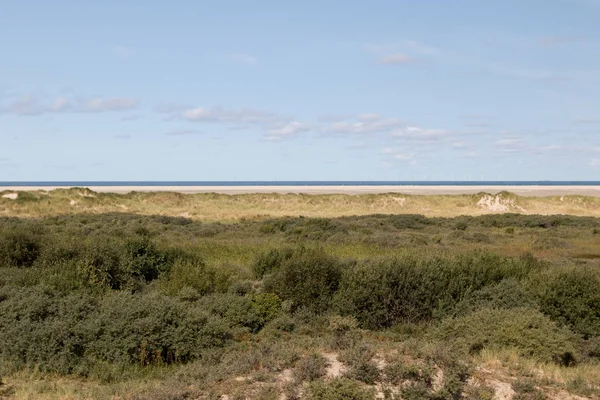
x: 498, y: 204
x: 335, y: 368
x: 12, y: 196
x: 504, y: 391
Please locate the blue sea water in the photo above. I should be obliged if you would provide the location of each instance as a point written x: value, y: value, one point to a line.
x: 300, y: 183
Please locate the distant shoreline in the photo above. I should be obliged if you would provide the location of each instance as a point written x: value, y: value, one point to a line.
x: 521, y: 190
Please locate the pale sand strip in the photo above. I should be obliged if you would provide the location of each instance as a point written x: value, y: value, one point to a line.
x: 352, y: 190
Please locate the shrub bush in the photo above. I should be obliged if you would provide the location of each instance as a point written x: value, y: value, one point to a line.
x: 309, y: 278
x: 571, y: 297
x: 270, y: 261
x: 530, y: 332
x: 407, y: 289
x: 310, y: 368
x: 339, y: 389
x: 266, y: 305
x: 18, y: 248
x: 508, y: 293
x: 69, y: 334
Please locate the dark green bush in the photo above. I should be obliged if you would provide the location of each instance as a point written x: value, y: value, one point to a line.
x: 508, y: 293
x: 69, y: 334
x: 364, y: 371
x: 398, y: 372
x: 270, y: 261
x: 339, y: 389
x: 571, y: 297
x: 309, y: 278
x: 529, y: 331
x: 408, y: 289
x: 266, y: 305
x: 19, y: 248
x: 236, y: 310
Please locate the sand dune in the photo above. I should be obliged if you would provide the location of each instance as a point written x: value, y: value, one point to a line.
x: 536, y: 191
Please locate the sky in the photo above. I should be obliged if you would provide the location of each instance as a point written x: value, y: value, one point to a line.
x: 299, y: 90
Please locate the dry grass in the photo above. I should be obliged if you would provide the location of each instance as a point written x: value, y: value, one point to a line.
x: 221, y: 207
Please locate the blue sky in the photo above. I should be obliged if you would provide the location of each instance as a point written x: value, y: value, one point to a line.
x: 311, y: 90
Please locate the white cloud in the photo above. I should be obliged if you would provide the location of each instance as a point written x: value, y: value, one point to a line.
x: 60, y: 104
x: 420, y: 134
x: 99, y: 104
x: 366, y: 124
x: 26, y: 105
x: 396, y: 59
x: 287, y: 130
x: 368, y: 117
x: 30, y: 105
x: 237, y: 117
x: 276, y: 126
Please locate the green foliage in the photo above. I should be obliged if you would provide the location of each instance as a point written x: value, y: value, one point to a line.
x: 192, y: 274
x: 364, y: 371
x: 385, y: 292
x: 266, y: 305
x: 309, y: 278
x: 530, y: 332
x: 508, y: 293
x: 115, y: 296
x: 310, y: 368
x: 398, y: 372
x: 270, y: 261
x: 73, y: 332
x: 338, y: 389
x: 526, y: 390
x: 19, y: 248
x: 571, y: 297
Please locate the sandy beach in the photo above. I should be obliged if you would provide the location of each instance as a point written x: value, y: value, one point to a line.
x: 536, y: 191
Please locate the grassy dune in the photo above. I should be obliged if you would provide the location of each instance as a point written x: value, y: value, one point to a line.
x: 220, y: 207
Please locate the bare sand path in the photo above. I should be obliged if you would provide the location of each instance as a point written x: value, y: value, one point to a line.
x: 536, y: 191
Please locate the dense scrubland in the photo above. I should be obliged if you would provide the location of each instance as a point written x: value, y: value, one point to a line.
x: 114, y: 305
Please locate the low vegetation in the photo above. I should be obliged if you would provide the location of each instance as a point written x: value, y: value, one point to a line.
x: 399, y: 306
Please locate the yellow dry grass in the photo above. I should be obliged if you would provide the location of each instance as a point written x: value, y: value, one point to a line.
x: 221, y: 207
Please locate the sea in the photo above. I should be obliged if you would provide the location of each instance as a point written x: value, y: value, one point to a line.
x: 298, y: 183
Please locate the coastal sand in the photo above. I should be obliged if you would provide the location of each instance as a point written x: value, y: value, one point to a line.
x: 352, y: 190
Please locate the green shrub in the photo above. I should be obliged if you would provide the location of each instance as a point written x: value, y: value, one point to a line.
x: 508, y: 293
x: 408, y: 289
x: 344, y: 331
x: 310, y: 368
x: 143, y: 259
x: 71, y: 334
x: 236, y: 310
x: 480, y: 393
x: 338, y: 389
x: 309, y: 278
x: 101, y: 264
x: 530, y: 332
x: 19, y: 248
x: 526, y: 390
x: 571, y: 297
x: 270, y: 261
x: 191, y: 273
x: 398, y: 372
x: 266, y: 305
x: 364, y: 371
